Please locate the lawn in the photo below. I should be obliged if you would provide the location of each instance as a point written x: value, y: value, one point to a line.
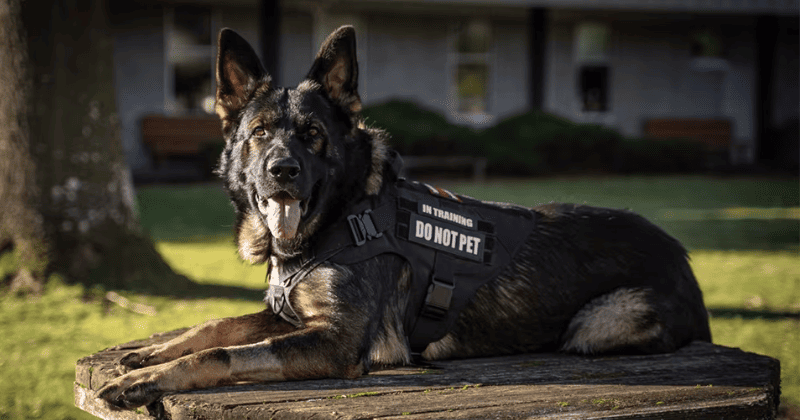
x: 742, y: 234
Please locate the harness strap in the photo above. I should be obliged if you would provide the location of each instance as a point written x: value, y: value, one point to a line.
x: 354, y: 231
x: 430, y: 325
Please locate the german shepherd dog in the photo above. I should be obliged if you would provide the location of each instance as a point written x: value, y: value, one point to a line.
x: 584, y: 280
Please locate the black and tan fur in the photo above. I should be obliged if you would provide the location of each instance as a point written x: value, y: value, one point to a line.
x: 587, y: 280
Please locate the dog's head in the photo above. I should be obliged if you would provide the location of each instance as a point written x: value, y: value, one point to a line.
x: 294, y: 158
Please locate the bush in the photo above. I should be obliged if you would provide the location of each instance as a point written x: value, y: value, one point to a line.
x: 418, y: 131
x: 534, y: 143
x: 540, y: 143
x: 662, y: 156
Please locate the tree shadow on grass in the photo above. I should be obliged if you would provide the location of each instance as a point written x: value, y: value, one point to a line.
x: 732, y: 313
x: 136, y: 266
x: 208, y: 291
x: 729, y: 235
x: 178, y: 286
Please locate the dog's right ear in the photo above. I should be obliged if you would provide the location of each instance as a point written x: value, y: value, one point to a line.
x: 239, y: 74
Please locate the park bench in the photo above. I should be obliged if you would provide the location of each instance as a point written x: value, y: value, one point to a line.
x: 700, y: 381
x: 714, y: 133
x: 185, y: 136
x: 478, y: 164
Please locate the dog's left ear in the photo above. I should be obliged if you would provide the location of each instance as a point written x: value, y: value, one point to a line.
x: 336, y: 68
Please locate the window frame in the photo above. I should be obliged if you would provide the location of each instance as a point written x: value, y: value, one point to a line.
x: 595, y: 60
x: 194, y: 52
x: 456, y: 58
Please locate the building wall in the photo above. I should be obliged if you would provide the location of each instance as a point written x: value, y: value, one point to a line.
x: 511, y: 73
x: 405, y: 56
x: 243, y: 20
x: 652, y: 72
x: 139, y: 78
x: 296, y: 49
x: 407, y: 59
x: 786, y: 91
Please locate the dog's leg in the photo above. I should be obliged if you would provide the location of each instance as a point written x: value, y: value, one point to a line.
x: 311, y: 353
x: 624, y: 320
x: 224, y: 332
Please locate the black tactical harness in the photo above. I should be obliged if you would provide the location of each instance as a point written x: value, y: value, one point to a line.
x: 454, y: 245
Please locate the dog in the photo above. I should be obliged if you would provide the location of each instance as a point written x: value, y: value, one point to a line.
x: 367, y: 268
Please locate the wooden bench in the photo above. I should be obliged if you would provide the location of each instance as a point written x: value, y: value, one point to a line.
x: 715, y: 134
x: 168, y: 136
x: 478, y: 164
x: 700, y: 381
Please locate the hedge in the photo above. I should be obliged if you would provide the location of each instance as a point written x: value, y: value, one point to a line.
x: 533, y: 143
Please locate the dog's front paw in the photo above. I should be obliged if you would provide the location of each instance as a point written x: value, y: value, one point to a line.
x: 132, y: 390
x: 145, y: 356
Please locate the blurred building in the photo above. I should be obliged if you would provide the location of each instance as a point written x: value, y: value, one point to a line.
x: 621, y: 63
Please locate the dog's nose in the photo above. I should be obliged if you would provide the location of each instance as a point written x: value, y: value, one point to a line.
x: 285, y: 169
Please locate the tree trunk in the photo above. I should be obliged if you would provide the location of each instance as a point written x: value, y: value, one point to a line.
x: 21, y: 226
x: 65, y: 178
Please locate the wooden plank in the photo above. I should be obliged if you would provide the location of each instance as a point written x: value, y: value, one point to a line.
x: 700, y: 381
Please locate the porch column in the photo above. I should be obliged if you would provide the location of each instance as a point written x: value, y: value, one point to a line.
x: 269, y: 13
x: 766, y: 41
x: 537, y: 32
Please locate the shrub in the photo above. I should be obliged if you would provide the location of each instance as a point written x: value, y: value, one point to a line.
x: 662, y: 155
x: 540, y: 143
x: 418, y: 131
x: 534, y: 143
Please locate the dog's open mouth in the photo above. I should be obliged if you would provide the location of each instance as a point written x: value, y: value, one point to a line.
x: 283, y: 213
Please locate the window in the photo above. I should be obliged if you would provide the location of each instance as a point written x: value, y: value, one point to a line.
x: 189, y: 70
x: 592, y: 45
x: 708, y: 51
x: 594, y: 88
x: 472, y: 56
x: 707, y: 43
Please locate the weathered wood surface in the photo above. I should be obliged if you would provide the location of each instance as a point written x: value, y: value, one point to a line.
x: 701, y: 381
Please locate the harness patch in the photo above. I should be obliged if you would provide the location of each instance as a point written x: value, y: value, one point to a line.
x: 447, y: 236
x: 446, y: 215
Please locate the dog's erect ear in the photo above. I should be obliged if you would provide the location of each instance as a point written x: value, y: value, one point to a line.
x: 336, y: 68
x: 239, y: 73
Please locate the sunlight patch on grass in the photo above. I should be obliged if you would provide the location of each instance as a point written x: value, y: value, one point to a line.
x: 757, y: 282
x: 749, y: 279
x: 213, y: 262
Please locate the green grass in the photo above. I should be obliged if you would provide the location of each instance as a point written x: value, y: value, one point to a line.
x: 748, y: 270
x: 658, y: 198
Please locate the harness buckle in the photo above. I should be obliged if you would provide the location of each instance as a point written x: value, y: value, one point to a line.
x: 362, y: 227
x: 276, y: 297
x: 437, y: 302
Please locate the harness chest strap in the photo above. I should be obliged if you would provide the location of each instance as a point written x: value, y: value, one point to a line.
x: 341, y: 237
x: 453, y: 248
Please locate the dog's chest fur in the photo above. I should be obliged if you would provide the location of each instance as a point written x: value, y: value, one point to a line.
x: 367, y: 297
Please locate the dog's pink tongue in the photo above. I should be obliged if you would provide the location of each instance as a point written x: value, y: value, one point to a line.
x: 283, y: 217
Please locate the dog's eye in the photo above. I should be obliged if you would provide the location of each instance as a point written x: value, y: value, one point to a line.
x: 313, y: 132
x: 259, y: 132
